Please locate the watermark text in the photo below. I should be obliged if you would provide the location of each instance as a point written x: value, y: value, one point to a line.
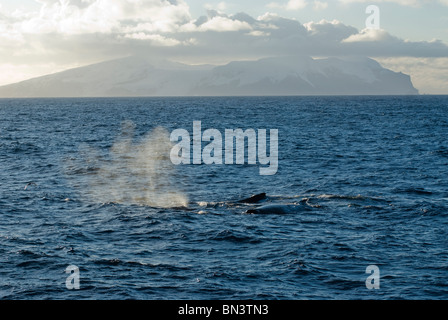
x: 232, y: 152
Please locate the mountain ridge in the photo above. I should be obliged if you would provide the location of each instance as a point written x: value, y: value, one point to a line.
x: 289, y: 75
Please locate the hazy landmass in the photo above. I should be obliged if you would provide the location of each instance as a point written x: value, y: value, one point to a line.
x: 292, y: 75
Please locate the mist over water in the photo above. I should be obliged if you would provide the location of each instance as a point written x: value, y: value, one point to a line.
x: 132, y: 171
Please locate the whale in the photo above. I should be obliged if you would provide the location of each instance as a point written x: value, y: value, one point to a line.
x: 253, y: 205
x: 255, y: 198
x: 274, y: 209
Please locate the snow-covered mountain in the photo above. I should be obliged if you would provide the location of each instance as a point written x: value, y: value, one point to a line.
x: 298, y: 75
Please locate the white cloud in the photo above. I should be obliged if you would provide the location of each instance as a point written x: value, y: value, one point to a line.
x: 290, y: 5
x: 268, y: 16
x: 224, y: 24
x: 369, y: 35
x: 168, y: 23
x: 330, y: 33
x: 101, y: 16
x: 259, y: 33
x: 215, y: 23
x: 296, y: 4
x: 320, y: 5
x: 221, y: 6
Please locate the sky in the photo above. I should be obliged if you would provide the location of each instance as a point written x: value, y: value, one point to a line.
x: 39, y: 37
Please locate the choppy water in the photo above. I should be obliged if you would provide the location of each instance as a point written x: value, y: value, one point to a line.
x: 366, y: 178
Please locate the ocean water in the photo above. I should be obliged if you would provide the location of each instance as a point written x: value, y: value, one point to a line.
x: 87, y: 182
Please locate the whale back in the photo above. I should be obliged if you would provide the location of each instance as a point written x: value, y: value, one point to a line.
x: 254, y: 199
x: 272, y: 209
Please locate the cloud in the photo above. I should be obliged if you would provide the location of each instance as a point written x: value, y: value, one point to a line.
x: 379, y: 43
x: 290, y: 5
x: 330, y: 31
x: 221, y: 6
x: 217, y: 23
x: 296, y: 4
x: 101, y: 16
x: 320, y: 5
x: 370, y: 35
x: 136, y: 25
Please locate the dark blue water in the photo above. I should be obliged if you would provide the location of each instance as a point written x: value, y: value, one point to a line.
x: 368, y: 174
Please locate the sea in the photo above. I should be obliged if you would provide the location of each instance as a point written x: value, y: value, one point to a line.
x: 92, y: 206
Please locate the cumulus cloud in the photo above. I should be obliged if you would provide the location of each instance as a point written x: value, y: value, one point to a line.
x: 216, y: 22
x: 296, y: 4
x: 334, y: 31
x: 379, y: 43
x: 221, y: 6
x: 137, y: 24
x: 101, y: 16
x: 290, y: 5
x: 370, y: 35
